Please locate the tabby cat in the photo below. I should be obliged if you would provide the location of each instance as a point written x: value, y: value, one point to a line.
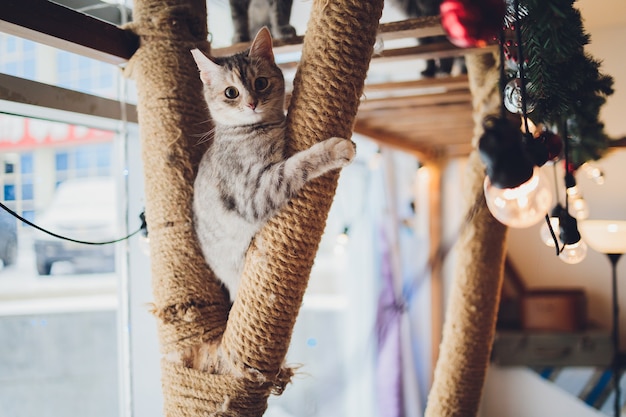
x: 249, y: 16
x: 246, y: 176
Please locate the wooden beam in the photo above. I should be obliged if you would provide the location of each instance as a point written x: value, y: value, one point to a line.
x: 458, y: 82
x: 461, y: 111
x: 423, y: 153
x: 410, y: 28
x: 436, y: 256
x: 32, y: 93
x: 442, y: 49
x: 617, y: 143
x: 419, y: 27
x: 64, y: 28
x: 417, y: 100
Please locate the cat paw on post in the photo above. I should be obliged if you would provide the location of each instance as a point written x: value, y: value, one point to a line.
x: 343, y: 150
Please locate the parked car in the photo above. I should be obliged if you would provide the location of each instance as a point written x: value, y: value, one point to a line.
x: 8, y: 238
x: 82, y: 209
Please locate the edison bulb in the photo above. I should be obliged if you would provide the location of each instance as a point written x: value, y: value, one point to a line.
x: 546, y: 236
x: 574, y: 253
x: 521, y: 206
x: 579, y: 208
x: 593, y: 173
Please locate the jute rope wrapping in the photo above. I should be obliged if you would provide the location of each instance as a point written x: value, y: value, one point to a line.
x: 247, y: 347
x: 172, y: 116
x: 335, y: 57
x: 473, y: 304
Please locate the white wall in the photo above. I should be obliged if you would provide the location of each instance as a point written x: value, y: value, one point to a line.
x: 520, y: 392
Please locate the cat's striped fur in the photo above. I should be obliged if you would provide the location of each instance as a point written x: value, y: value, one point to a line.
x: 245, y: 177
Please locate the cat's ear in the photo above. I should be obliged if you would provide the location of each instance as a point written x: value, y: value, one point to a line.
x: 207, y: 67
x: 261, y: 46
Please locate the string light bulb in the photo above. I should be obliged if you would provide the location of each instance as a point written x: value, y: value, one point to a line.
x: 521, y: 206
x: 516, y: 192
x: 578, y: 207
x: 574, y: 248
x: 544, y: 232
x: 593, y: 173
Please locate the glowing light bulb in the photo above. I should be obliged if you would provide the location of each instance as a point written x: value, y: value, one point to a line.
x: 578, y: 207
x: 593, y: 173
x: 546, y: 236
x: 521, y: 206
x: 574, y: 253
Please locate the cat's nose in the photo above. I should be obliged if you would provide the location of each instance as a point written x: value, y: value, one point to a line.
x: 252, y: 105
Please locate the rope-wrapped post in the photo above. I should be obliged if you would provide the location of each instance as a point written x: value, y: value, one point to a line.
x: 337, y: 49
x: 474, y: 297
x: 246, y: 349
x: 189, y: 304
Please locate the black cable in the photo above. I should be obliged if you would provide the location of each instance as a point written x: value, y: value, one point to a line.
x: 520, y: 59
x: 17, y: 216
x: 566, y: 154
x: 502, y: 76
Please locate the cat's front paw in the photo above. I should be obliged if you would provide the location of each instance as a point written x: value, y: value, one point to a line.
x: 343, y: 150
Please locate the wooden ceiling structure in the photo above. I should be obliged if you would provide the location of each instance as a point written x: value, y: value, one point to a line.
x: 429, y: 117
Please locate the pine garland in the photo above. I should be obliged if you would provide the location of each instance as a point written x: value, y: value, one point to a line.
x: 563, y: 81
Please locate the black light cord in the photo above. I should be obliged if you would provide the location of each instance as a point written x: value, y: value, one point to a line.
x: 17, y: 216
x: 520, y: 59
x: 566, y: 153
x: 502, y: 76
x: 550, y: 228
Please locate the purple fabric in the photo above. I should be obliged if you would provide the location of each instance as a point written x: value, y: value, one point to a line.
x: 388, y: 332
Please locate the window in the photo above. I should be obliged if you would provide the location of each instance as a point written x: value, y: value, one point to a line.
x: 26, y: 163
x: 61, y: 161
x: 59, y: 300
x: 27, y: 191
x: 9, y: 192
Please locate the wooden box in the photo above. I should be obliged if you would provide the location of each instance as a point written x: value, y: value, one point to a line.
x: 590, y: 348
x: 562, y: 310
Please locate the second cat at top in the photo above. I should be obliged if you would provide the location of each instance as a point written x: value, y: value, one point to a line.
x: 249, y: 16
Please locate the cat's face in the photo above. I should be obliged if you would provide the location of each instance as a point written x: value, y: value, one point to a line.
x: 244, y: 89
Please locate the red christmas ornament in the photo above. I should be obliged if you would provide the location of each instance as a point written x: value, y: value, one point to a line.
x: 471, y: 23
x: 552, y: 142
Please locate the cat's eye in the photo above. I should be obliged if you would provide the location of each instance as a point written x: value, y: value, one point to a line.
x: 261, y: 83
x: 231, y: 92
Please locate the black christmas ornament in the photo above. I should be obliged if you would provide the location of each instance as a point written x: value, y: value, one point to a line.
x: 502, y: 150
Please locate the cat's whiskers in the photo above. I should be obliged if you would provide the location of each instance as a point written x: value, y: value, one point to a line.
x: 205, y: 137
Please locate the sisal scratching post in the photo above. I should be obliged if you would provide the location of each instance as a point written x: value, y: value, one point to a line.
x: 246, y: 348
x: 187, y: 301
x: 335, y: 57
x: 473, y: 304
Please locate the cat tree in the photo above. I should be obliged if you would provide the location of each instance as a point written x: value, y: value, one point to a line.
x: 246, y: 348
